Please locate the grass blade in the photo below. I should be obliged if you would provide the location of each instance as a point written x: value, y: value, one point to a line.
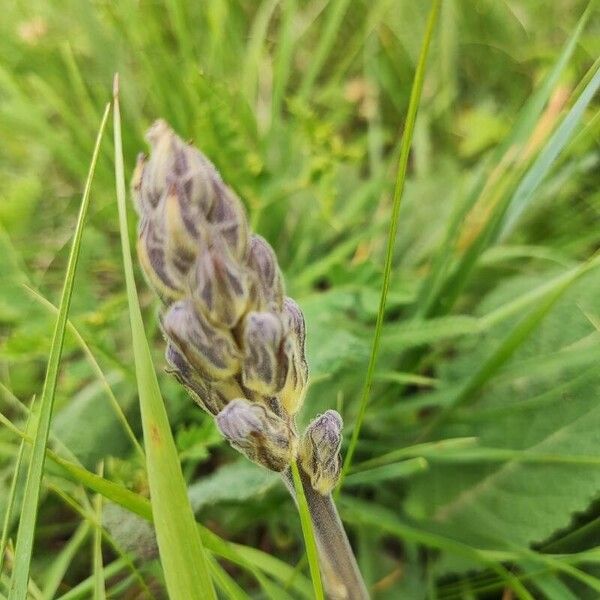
x: 561, y: 137
x: 411, y: 117
x: 99, y: 589
x: 182, y: 555
x: 24, y: 549
x: 308, y: 532
x: 63, y: 560
x: 11, y: 498
x: 97, y: 371
x: 85, y: 588
x: 335, y: 15
x: 393, y: 471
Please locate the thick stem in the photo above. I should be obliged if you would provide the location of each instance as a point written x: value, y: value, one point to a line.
x: 340, y: 572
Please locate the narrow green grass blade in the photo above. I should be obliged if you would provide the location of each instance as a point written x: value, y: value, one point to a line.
x: 83, y: 590
x: 518, y: 194
x: 529, y: 115
x: 24, y: 548
x: 309, y: 534
x: 428, y: 449
x: 335, y: 14
x: 97, y: 370
x: 547, y: 582
x: 63, y: 560
x: 88, y: 514
x: 256, y: 42
x: 283, y: 61
x: 182, y: 555
x: 398, y: 470
x: 10, y: 503
x: 411, y: 117
x: 559, y: 565
x: 99, y: 589
x: 225, y: 581
x: 561, y: 137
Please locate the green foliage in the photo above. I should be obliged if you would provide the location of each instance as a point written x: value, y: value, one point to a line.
x: 475, y: 467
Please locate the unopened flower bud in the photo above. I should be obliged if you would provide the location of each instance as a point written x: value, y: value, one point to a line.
x: 261, y: 368
x: 268, y: 283
x: 296, y: 379
x: 208, y: 396
x: 176, y: 163
x: 228, y: 219
x: 151, y: 249
x: 257, y: 432
x: 185, y: 230
x: 320, y: 451
x: 219, y: 286
x: 206, y: 347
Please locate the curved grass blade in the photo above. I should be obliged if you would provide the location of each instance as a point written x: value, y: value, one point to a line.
x: 97, y: 371
x: 512, y: 193
x: 225, y: 582
x: 411, y: 117
x: 88, y: 513
x: 24, y: 548
x: 182, y: 555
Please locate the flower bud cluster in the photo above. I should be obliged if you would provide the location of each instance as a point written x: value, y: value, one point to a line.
x: 234, y: 340
x: 320, y: 451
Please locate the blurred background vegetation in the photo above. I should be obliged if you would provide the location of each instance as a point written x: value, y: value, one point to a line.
x: 491, y: 329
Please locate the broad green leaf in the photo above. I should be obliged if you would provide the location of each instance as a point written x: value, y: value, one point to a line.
x: 546, y: 423
x: 385, y: 520
x: 236, y: 482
